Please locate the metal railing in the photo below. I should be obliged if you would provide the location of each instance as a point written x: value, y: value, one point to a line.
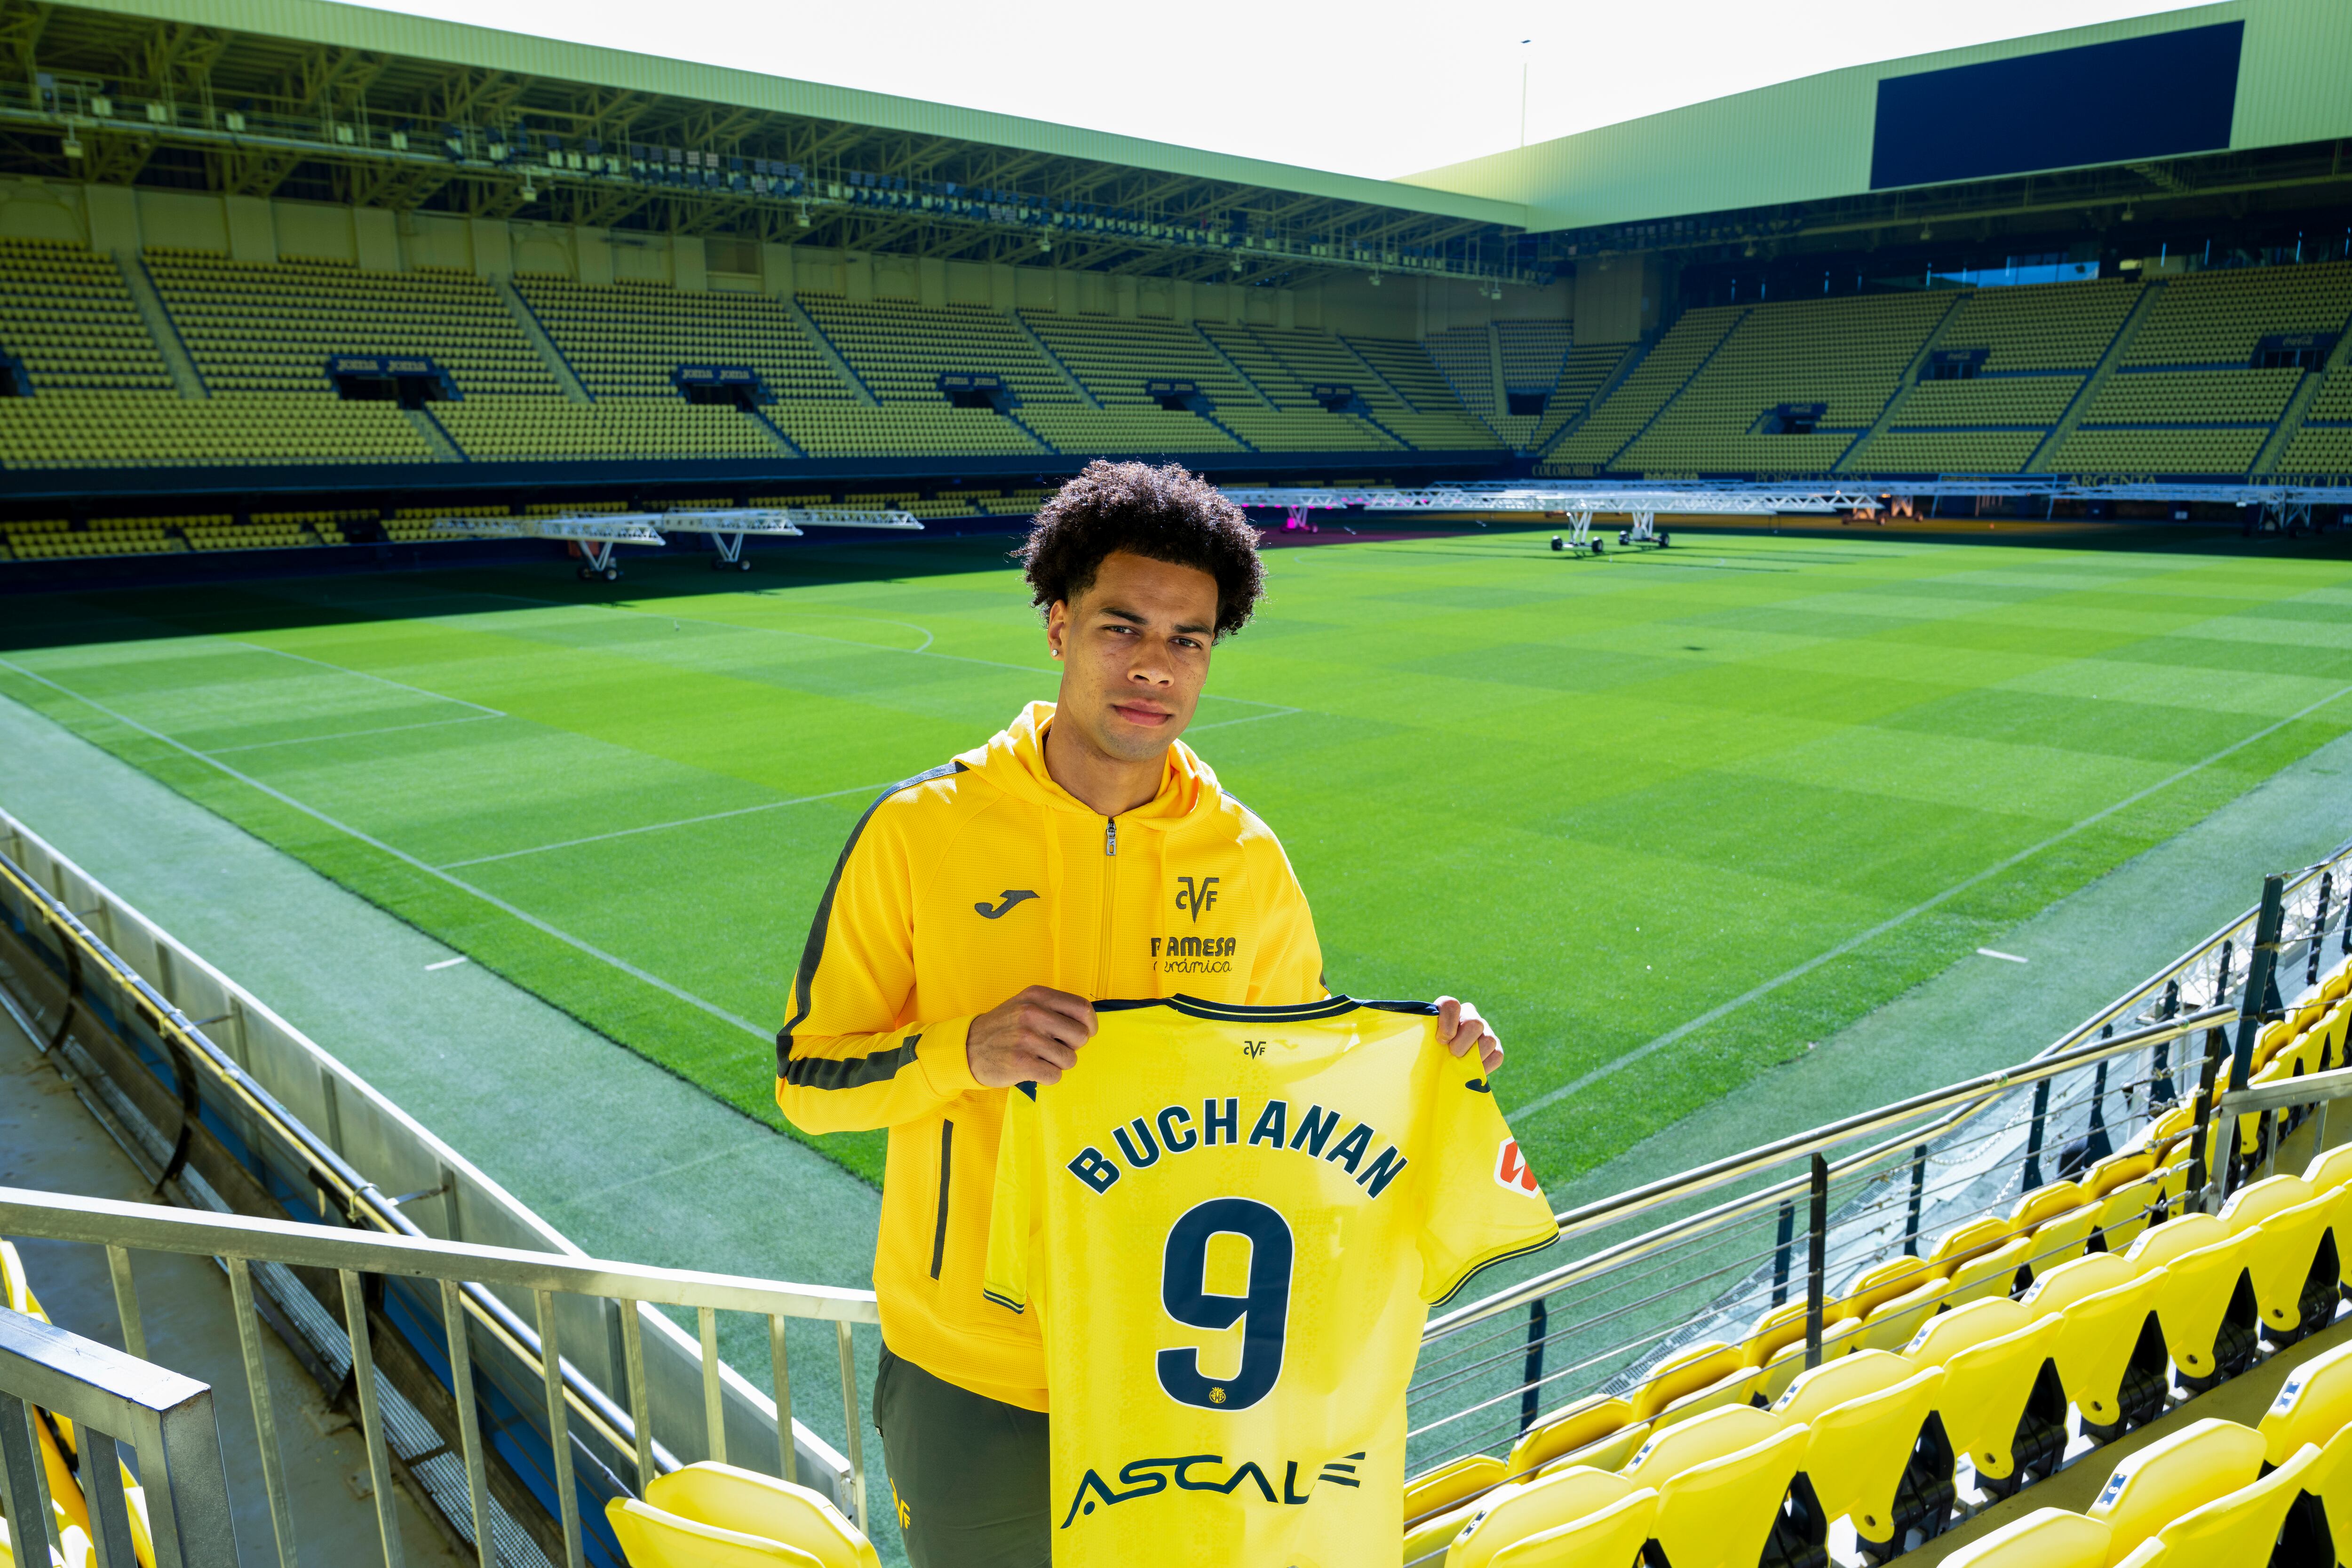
x: 209, y: 1132
x: 356, y: 1258
x: 1705, y: 1254
x: 111, y: 1397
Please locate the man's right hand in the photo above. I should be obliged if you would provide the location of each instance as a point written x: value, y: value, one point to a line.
x: 1034, y: 1036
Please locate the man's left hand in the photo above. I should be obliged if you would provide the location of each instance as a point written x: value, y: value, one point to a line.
x: 1459, y: 1026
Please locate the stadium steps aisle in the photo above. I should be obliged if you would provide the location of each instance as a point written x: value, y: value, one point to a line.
x: 1902, y: 393
x: 186, y: 380
x: 2096, y: 380
x: 624, y: 1158
x: 1069, y: 377
x: 535, y: 332
x: 841, y: 367
x: 430, y: 431
x: 50, y: 1143
x: 2299, y: 408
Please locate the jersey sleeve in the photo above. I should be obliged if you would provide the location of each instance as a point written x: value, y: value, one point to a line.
x: 1484, y: 1203
x: 1005, y: 1280
x: 851, y: 1058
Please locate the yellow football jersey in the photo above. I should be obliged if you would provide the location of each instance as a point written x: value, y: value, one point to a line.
x: 1231, y: 1222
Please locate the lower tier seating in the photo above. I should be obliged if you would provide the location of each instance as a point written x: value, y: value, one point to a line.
x: 490, y: 428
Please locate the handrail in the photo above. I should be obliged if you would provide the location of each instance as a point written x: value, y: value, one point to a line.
x: 1960, y: 1099
x: 108, y: 1221
x: 110, y: 1395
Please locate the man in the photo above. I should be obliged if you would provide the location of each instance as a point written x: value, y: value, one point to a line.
x: 976, y: 912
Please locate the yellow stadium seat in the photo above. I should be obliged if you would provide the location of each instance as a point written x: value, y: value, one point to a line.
x: 2312, y: 1405
x: 2046, y: 1538
x: 2206, y: 1307
x: 2237, y: 1530
x: 2061, y: 1237
x: 1879, y: 1283
x: 2117, y: 1171
x: 2001, y: 1402
x: 2126, y: 1212
x: 2110, y: 1356
x: 2331, y: 1169
x: 2059, y: 1287
x: 1893, y: 1323
x: 653, y: 1538
x: 1721, y: 1512
x: 1774, y: 1332
x: 1558, y: 1499
x: 1615, y: 1535
x: 1995, y: 1272
x: 2180, y: 1471
x: 753, y: 1504
x: 1837, y: 1340
x: 1454, y: 1483
x: 2295, y: 1286
x: 1872, y: 1456
x: 1712, y: 1369
x: 1567, y: 1429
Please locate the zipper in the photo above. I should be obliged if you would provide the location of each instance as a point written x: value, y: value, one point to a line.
x: 1109, y: 888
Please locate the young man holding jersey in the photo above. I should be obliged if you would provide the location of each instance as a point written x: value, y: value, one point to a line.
x: 976, y: 910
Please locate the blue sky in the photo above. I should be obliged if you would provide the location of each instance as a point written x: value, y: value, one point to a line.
x: 1372, y: 88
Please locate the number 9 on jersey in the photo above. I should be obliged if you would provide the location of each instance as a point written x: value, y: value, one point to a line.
x: 1183, y: 1291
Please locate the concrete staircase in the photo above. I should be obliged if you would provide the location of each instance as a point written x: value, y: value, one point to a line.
x: 436, y: 436
x: 2274, y: 452
x: 186, y: 380
x: 544, y: 346
x: 1902, y: 394
x: 850, y: 378
x: 2047, y: 452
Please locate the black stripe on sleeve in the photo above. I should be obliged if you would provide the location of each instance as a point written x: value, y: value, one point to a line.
x: 813, y: 952
x: 851, y: 1072
x: 947, y: 1166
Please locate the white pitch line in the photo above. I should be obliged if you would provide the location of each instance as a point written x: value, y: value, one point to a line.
x: 352, y: 735
x: 1553, y: 1097
x: 662, y: 826
x: 623, y: 964
x: 446, y: 963
x: 2004, y: 957
x: 360, y: 674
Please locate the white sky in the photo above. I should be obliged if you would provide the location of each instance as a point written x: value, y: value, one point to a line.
x: 1374, y: 88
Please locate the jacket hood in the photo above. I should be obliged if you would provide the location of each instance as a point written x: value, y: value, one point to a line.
x: 1015, y: 761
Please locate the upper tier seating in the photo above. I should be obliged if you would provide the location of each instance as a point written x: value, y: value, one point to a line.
x: 66, y: 312
x: 625, y: 341
x: 1848, y: 355
x: 1464, y: 358
x: 1641, y: 394
x: 899, y: 352
x: 2042, y: 326
x: 1581, y: 376
x: 272, y: 328
x: 2219, y: 317
x: 161, y: 429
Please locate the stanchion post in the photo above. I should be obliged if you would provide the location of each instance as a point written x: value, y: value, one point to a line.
x: 1817, y: 1262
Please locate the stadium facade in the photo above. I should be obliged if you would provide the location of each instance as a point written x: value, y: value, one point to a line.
x: 288, y: 273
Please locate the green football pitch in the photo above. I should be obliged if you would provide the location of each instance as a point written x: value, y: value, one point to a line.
x: 1667, y: 817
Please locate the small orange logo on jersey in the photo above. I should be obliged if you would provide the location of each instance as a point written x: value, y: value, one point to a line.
x: 1511, y: 1169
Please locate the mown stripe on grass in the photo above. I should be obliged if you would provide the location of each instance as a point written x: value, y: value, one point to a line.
x: 1553, y: 1097
x: 623, y: 964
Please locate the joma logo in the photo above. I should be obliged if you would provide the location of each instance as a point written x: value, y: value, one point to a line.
x: 1196, y: 899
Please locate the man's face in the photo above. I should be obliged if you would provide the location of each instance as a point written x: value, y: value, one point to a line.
x: 1135, y: 652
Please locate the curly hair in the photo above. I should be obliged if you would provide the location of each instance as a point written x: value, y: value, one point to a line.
x: 1164, y: 514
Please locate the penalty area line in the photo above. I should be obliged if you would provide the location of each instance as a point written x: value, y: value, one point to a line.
x: 313, y: 812
x: 1551, y: 1098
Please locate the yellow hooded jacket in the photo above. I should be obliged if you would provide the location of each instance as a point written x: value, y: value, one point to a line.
x: 956, y: 889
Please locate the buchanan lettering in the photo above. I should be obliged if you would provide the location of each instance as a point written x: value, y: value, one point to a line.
x: 1142, y: 1142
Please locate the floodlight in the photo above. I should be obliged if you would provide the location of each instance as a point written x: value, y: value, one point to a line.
x: 72, y: 145
x: 1045, y: 243
x: 530, y: 192
x: 1376, y: 279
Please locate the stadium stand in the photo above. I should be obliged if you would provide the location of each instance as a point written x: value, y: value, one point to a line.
x: 1464, y: 358
x: 1308, y: 425
x: 2096, y: 1292
x: 901, y: 352
x: 626, y: 340
x: 1662, y: 373
x: 109, y: 429
x: 1581, y: 376
x: 2220, y: 317
x: 824, y: 430
x: 491, y: 428
x: 253, y: 327
x: 1842, y: 359
x: 1306, y: 360
x: 66, y: 313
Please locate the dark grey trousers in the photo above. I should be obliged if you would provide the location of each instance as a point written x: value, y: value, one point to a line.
x: 969, y: 1477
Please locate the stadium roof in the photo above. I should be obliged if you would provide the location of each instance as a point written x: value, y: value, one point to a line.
x: 253, y: 95
x: 2160, y: 106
